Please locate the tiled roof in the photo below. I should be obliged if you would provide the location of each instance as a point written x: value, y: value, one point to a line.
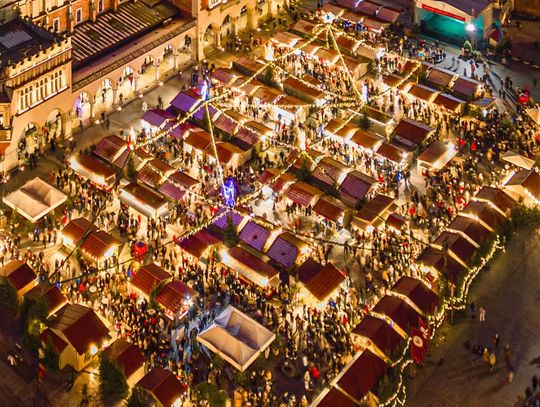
x: 197, y: 244
x: 113, y: 28
x: 357, y: 184
x: 163, y: 385
x: 329, y: 209
x: 497, y: 197
x: 94, y: 165
x: 54, y: 297
x: 109, y: 148
x: 97, y: 244
x: 81, y: 327
x: 145, y: 195
x: 253, y: 262
x: 148, y: 277
x: 325, y: 282
x: 18, y: 273
x: 172, y: 191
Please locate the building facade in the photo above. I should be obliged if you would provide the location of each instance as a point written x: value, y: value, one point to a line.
x: 69, y: 62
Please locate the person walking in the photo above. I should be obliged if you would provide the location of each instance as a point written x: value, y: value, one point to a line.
x: 496, y: 342
x: 492, y: 360
x: 482, y: 314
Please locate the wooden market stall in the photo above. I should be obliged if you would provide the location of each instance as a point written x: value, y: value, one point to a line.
x: 176, y: 298
x: 96, y: 171
x: 251, y: 266
x: 75, y: 230
x: 320, y: 282
x: 20, y: 276
x: 144, y: 200
x: 435, y: 156
x: 147, y: 278
x: 100, y: 246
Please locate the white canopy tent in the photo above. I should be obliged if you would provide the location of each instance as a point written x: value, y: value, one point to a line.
x: 534, y: 114
x: 236, y: 337
x: 35, y: 199
x: 517, y: 159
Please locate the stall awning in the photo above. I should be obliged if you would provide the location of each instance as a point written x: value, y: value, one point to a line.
x: 149, y: 277
x: 286, y: 249
x: 198, y: 243
x: 303, y: 194
x: 99, y: 245
x: 254, y: 235
x: 419, y: 294
x: 157, y: 117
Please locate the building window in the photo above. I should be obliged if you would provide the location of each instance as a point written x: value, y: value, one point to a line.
x: 56, y: 81
x: 78, y: 15
x: 56, y: 24
x: 100, y: 6
x: 26, y: 98
x: 1, y: 119
x: 42, y: 89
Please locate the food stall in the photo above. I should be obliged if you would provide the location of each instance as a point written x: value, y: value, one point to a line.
x: 144, y: 201
x: 96, y: 171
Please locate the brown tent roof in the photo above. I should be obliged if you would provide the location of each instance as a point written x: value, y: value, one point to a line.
x: 391, y: 80
x: 77, y: 228
x: 183, y: 180
x: 486, y: 213
x: 422, y: 296
x: 367, y: 140
x: 253, y: 262
x: 302, y: 193
x: 379, y: 332
x: 497, y: 197
x: 329, y: 208
x: 465, y: 87
x: 440, y: 77
x: 457, y: 244
x: 269, y: 95
x: 96, y: 166
x: 528, y: 179
x: 325, y: 282
x: 413, y: 131
x: 145, y: 195
x: 448, y: 102
x: 473, y: 229
x: 362, y: 375
x: 148, y: 277
x: 54, y: 297
x: 434, y: 152
x: 304, y: 27
x: 423, y: 92
x: 110, y: 147
x: 197, y: 244
x: 434, y: 258
x: 398, y: 311
x: 375, y: 208
x: 225, y: 75
x: 81, y: 326
x: 98, y: 243
x: 294, y: 84
x: 200, y: 140
x: 391, y: 152
x: 163, y: 385
x: 18, y: 273
x: 173, y: 294
x: 126, y: 356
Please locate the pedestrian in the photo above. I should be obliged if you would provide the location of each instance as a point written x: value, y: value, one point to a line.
x: 510, y: 373
x: 492, y: 360
x: 496, y: 342
x: 473, y: 310
x: 482, y: 314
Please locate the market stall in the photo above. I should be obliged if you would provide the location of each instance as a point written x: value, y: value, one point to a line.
x: 237, y: 338
x: 303, y: 194
x: 100, y: 246
x: 199, y: 245
x: 435, y: 156
x: 144, y: 200
x: 251, y: 266
x: 35, y: 199
x: 288, y: 250
x: 147, y: 278
x: 417, y: 294
x: 177, y: 185
x: 176, y: 298
x: 401, y: 316
x: 524, y: 186
x: 410, y: 134
x: 110, y: 148
x: 96, y: 171
x: 376, y: 335
x: 20, y: 276
x: 75, y: 230
x: 356, y: 187
x: 319, y: 282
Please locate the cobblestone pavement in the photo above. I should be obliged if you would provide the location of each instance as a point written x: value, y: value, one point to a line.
x: 509, y: 292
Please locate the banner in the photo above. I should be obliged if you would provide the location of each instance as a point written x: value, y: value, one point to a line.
x: 418, y: 346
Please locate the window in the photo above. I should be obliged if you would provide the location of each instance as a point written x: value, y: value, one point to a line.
x: 26, y: 98
x: 56, y: 24
x: 56, y: 81
x: 1, y: 119
x: 100, y: 6
x: 42, y: 89
x: 78, y: 15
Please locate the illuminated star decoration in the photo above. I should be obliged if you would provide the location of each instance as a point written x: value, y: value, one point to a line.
x: 229, y: 192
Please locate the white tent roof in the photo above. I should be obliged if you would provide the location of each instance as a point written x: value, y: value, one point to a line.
x: 517, y: 159
x: 534, y: 113
x: 35, y: 199
x: 236, y: 337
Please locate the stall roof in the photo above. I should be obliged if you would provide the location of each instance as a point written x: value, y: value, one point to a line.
x: 222, y: 219
x: 347, y: 43
x: 268, y: 95
x: 247, y: 137
x: 249, y: 88
x: 157, y: 117
x: 331, y: 8
x: 259, y: 127
x: 441, y: 77
x: 302, y: 193
x: 277, y: 182
x: 328, y: 55
x: 411, y: 133
x: 392, y: 153
x: 77, y: 228
x: 449, y: 102
x: 485, y: 213
x: 352, y: 17
x: 391, y: 80
x: 186, y: 101
x: 179, y: 131
x: 126, y: 356
x: 332, y: 168
x: 154, y: 172
x: 110, y: 148
x: 374, y: 25
x: 333, y: 397
x: 367, y: 8
x: 293, y: 84
x: 253, y: 262
x: 97, y: 244
x: 226, y: 152
x: 320, y: 281
x: 286, y: 38
x: 247, y: 65
x: 378, y: 115
x: 362, y: 375
x: 367, y: 140
x: 254, y: 235
x: 308, y: 48
x: 398, y: 311
x: 375, y: 208
x: 149, y: 277
x: 94, y: 165
x: 497, y: 197
x: 225, y: 75
x: 35, y: 199
x: 163, y: 385
x: 226, y: 124
x: 396, y: 221
x: 528, y: 179
x: 199, y: 140
x: 197, y: 243
x: 388, y: 14
x: 285, y: 249
x: 435, y: 151
x: 173, y: 295
x: 329, y: 208
x: 236, y: 337
x: 334, y: 125
x: 470, y: 227
x: 465, y: 87
x: 380, y: 333
x: 457, y: 245
x: 18, y: 273
x: 304, y: 27
x: 81, y: 327
x: 52, y: 294
x: 422, y: 92
x: 431, y: 257
x: 419, y: 293
x: 357, y: 184
x: 144, y: 195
